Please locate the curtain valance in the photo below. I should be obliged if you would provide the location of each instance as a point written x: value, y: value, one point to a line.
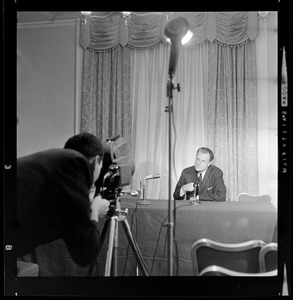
x: 103, y: 31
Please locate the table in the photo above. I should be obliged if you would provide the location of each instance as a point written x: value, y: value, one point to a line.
x: 228, y: 222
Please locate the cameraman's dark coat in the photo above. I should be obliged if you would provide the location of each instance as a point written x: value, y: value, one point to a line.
x: 53, y: 202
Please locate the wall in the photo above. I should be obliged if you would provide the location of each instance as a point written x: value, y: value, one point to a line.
x: 46, y: 87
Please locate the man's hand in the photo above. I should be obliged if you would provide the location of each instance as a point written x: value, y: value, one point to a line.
x: 92, y: 192
x: 189, y: 187
x: 99, y: 208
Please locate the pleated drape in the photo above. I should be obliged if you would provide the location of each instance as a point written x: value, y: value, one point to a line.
x: 232, y: 115
x: 124, y: 92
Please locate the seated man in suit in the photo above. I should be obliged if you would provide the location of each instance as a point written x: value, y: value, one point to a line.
x: 209, y: 178
x: 53, y: 198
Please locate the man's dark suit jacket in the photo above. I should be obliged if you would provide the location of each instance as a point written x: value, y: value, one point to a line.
x: 212, y: 188
x: 53, y: 202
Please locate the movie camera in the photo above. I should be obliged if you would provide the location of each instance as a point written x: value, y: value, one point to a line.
x: 117, y: 168
x: 116, y: 172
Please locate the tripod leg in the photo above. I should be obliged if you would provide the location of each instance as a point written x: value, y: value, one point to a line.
x: 113, y: 225
x: 134, y: 247
x: 115, y: 251
x: 103, y: 235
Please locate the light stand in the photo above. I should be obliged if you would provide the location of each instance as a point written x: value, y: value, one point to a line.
x: 170, y: 223
x: 175, y: 30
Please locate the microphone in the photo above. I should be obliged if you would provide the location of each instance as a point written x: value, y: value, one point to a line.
x: 196, y: 189
x: 196, y: 192
x: 154, y: 176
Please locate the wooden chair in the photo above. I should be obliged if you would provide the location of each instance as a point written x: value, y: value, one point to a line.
x: 249, y: 197
x: 220, y: 271
x: 241, y: 257
x: 268, y: 257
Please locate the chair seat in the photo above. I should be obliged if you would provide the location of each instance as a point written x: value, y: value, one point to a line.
x: 26, y: 269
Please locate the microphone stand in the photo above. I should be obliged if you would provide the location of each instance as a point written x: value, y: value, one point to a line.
x: 170, y: 224
x: 142, y: 188
x: 142, y: 193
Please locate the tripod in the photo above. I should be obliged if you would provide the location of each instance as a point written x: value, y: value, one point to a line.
x: 114, y: 217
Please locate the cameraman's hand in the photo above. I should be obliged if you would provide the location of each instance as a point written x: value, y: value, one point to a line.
x: 99, y: 208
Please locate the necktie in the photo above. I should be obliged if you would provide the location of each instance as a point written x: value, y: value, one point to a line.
x: 200, y: 177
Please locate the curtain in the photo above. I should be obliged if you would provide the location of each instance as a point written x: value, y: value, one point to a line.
x: 150, y: 121
x: 106, y: 106
x: 124, y: 92
x: 232, y: 115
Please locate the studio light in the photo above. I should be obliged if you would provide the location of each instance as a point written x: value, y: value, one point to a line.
x: 187, y: 37
x: 177, y: 31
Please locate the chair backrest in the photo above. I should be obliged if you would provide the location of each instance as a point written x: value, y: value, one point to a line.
x: 242, y: 257
x: 249, y: 197
x: 268, y: 257
x: 220, y: 271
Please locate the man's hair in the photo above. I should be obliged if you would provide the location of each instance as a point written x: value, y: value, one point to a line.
x: 87, y: 144
x: 207, y: 151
